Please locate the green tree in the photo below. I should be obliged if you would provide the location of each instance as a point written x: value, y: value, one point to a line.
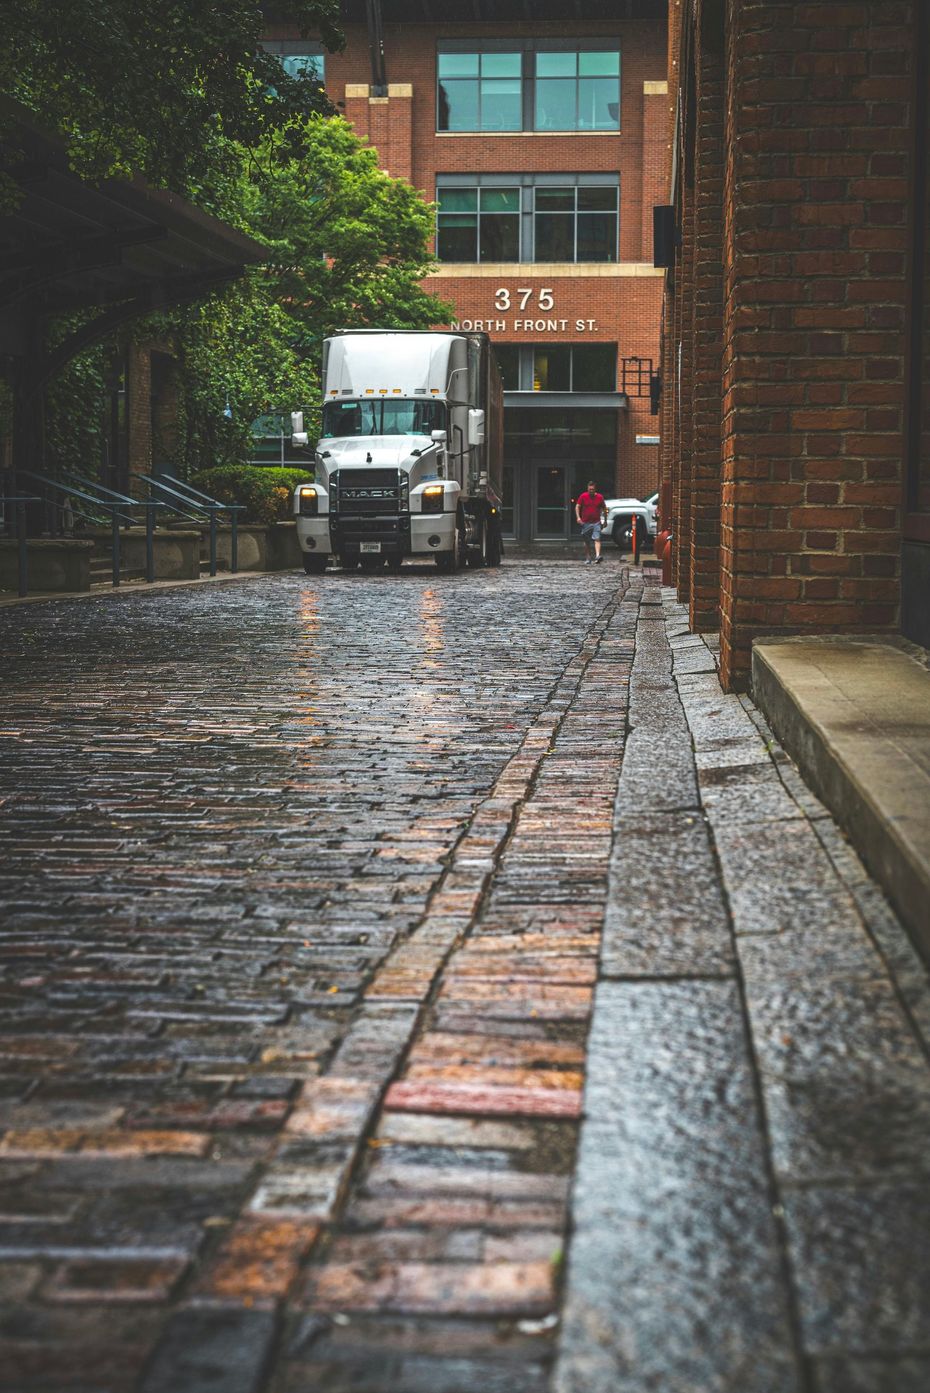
x: 347, y: 248
x: 159, y: 89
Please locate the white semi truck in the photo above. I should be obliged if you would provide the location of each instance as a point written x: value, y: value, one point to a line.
x: 408, y: 462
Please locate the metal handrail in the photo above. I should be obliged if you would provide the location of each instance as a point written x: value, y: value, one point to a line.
x: 70, y: 491
x: 117, y: 515
x: 153, y: 483
x: 208, y: 505
x: 22, y: 543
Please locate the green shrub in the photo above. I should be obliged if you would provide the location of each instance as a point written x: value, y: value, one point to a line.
x: 265, y: 493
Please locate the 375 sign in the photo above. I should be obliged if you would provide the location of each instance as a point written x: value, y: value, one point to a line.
x: 526, y: 301
x: 504, y: 301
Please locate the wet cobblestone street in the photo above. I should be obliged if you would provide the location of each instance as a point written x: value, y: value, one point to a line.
x: 311, y: 892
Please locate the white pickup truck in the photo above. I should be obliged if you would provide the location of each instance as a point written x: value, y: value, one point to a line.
x: 619, y: 525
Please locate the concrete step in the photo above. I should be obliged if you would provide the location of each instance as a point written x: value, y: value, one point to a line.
x: 854, y: 714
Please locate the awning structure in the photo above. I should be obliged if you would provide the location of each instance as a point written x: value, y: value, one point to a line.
x: 114, y: 250
x: 578, y: 401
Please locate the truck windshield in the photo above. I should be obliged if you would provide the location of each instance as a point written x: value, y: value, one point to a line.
x: 380, y: 416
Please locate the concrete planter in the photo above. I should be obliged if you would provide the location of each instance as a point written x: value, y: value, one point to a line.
x: 261, y: 547
x: 176, y: 551
x: 55, y: 563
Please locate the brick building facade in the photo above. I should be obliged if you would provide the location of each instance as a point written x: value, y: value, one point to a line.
x: 545, y: 144
x: 796, y: 341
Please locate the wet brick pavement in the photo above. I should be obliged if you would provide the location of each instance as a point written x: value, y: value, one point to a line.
x: 309, y: 891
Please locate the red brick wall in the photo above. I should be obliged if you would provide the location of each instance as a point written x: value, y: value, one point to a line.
x: 815, y: 147
x: 815, y: 316
x: 707, y: 320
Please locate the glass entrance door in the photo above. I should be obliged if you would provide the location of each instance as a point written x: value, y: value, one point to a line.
x: 551, y: 514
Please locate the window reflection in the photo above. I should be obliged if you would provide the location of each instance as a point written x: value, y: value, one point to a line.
x: 480, y: 92
x: 382, y: 416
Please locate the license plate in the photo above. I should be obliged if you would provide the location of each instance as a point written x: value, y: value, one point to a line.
x: 369, y: 546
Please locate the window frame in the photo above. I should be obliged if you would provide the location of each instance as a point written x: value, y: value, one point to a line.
x: 528, y: 184
x: 298, y: 48
x: 529, y: 48
x: 526, y: 367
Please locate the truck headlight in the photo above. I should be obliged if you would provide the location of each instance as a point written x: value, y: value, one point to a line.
x: 432, y: 498
x: 309, y: 502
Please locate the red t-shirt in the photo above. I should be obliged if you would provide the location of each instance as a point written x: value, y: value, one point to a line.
x: 590, y: 506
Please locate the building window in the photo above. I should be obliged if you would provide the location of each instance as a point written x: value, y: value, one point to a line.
x: 528, y: 85
x: 299, y: 59
x: 478, y: 224
x: 527, y: 217
x: 508, y: 360
x: 577, y: 91
x: 575, y: 224
x: 480, y: 92
x: 574, y: 368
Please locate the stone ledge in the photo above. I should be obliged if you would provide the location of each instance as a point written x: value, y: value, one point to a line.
x: 854, y: 713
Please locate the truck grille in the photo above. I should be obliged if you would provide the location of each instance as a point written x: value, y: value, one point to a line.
x: 367, y: 491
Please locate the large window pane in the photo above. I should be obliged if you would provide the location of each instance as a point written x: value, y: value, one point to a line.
x: 552, y: 200
x: 555, y: 104
x: 458, y: 106
x: 500, y: 238
x: 599, y: 64
x: 598, y: 104
x: 500, y: 65
x: 591, y: 199
x: 500, y: 200
x: 555, y: 237
x: 303, y: 65
x: 457, y: 238
x: 458, y: 200
x: 594, y: 368
x: 552, y: 370
x: 597, y: 237
x: 480, y: 91
x: 508, y: 360
x: 458, y: 65
x: 501, y: 105
x: 556, y: 64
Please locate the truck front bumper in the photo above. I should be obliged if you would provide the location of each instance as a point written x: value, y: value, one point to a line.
x: 406, y: 534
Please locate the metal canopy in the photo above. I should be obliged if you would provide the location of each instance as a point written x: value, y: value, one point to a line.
x: 610, y: 12
x: 578, y: 401
x: 119, y: 245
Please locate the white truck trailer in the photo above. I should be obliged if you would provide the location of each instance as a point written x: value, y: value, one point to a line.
x: 409, y: 458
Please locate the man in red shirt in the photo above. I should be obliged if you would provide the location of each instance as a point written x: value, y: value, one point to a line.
x: 591, y: 513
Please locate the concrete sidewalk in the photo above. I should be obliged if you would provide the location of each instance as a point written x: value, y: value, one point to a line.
x: 750, y: 1207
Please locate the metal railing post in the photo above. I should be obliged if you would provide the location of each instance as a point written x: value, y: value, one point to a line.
x: 213, y: 541
x: 23, y: 549
x: 114, y: 539
x: 150, y: 541
x: 234, y: 541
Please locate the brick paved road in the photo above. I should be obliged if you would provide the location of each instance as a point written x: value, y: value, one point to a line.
x: 244, y: 828
x: 304, y: 885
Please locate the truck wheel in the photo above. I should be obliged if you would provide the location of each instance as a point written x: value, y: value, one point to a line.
x: 478, y: 556
x: 315, y: 565
x: 451, y: 561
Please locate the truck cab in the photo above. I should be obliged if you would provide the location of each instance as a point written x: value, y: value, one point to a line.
x: 404, y: 463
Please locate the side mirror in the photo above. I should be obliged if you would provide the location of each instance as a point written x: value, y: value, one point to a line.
x: 439, y: 436
x: 298, y: 434
x: 475, y: 426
